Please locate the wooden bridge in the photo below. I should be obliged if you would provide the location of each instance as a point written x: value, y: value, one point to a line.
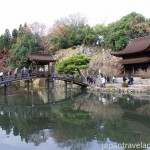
x: 78, y: 81
x: 36, y: 60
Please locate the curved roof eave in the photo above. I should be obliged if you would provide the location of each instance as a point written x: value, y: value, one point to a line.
x: 135, y: 46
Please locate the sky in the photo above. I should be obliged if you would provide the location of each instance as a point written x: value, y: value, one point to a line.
x: 16, y: 12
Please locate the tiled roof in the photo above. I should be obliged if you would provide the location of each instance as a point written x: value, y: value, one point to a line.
x: 135, y: 46
x: 135, y: 60
x: 41, y: 57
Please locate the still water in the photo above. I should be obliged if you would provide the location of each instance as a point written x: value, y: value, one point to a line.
x: 73, y: 120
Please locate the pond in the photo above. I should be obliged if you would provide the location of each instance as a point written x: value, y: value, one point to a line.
x: 73, y: 120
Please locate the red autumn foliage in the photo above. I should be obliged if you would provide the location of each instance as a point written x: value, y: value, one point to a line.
x: 5, y: 51
x: 2, y: 54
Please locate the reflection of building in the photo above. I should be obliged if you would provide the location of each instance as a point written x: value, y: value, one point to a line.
x: 136, y: 55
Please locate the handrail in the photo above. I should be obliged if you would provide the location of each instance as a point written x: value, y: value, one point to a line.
x: 76, y: 80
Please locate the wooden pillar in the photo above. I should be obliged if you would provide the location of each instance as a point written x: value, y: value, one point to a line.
x: 32, y: 86
x: 48, y: 69
x: 44, y: 69
x: 71, y: 84
x: 6, y: 93
x: 53, y: 84
x: 124, y: 71
x: 48, y: 87
x: 66, y: 88
x: 48, y: 96
x: 65, y: 84
x: 32, y: 97
x: 133, y: 70
x: 8, y: 87
x: 52, y: 67
x: 5, y: 89
x: 28, y: 85
x: 6, y: 99
x: 71, y: 94
x: 71, y: 91
x: 37, y: 69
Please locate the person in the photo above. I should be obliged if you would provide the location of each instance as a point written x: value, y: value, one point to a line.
x: 2, y: 76
x: 16, y: 72
x: 107, y: 79
x: 124, y: 78
x: 22, y: 72
x: 113, y: 79
x: 9, y: 73
x: 103, y: 81
x: 91, y: 80
x: 41, y: 71
x: 131, y: 79
x: 88, y: 78
x: 29, y: 72
x: 94, y: 80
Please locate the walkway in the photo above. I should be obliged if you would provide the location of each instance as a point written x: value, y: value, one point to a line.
x: 134, y: 87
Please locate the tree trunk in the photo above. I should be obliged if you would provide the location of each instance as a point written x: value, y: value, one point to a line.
x: 81, y: 74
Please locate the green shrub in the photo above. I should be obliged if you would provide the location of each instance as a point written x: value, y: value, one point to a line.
x: 124, y: 84
x: 101, y: 85
x: 73, y: 47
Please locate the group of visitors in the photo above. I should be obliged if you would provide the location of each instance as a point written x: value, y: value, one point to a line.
x: 91, y: 80
x: 104, y: 79
x: 128, y: 79
x: 23, y: 71
x: 107, y: 79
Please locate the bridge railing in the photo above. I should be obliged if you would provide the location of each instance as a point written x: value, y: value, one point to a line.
x: 41, y: 74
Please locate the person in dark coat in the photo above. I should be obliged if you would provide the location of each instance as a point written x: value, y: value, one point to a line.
x: 124, y: 78
x: 29, y: 72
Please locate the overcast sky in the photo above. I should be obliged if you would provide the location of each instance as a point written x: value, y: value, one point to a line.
x: 16, y: 12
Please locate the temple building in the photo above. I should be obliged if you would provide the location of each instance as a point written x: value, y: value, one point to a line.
x: 135, y: 56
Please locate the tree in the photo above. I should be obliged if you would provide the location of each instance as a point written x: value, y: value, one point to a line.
x: 119, y: 33
x: 77, y: 20
x: 23, y: 30
x: 100, y: 30
x: 68, y: 32
x: 38, y: 28
x: 14, y: 36
x: 26, y: 44
x: 5, y: 40
x: 73, y: 64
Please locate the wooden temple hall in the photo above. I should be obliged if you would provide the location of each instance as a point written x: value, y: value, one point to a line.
x: 135, y: 56
x: 41, y: 63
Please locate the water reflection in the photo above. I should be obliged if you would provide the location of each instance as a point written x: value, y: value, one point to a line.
x: 82, y: 121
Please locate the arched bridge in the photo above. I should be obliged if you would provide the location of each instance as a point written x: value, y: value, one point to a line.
x: 78, y: 81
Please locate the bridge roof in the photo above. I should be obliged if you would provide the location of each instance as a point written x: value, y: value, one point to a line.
x: 40, y: 58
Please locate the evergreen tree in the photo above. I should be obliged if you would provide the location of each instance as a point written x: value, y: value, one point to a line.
x: 26, y: 44
x: 73, y: 64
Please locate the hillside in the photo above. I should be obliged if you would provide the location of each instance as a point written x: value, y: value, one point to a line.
x: 101, y: 60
